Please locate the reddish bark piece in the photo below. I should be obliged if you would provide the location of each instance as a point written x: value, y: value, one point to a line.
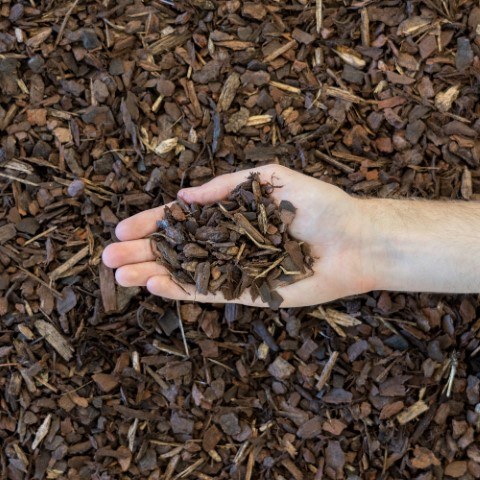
x: 391, y: 409
x: 105, y: 381
x: 190, y: 312
x: 211, y: 438
x: 63, y: 135
x: 37, y: 116
x: 334, y: 426
x: 456, y: 469
x: 384, y: 144
x: 423, y: 458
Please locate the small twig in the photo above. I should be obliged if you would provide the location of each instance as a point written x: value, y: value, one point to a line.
x: 42, y: 234
x: 333, y: 162
x: 241, y: 453
x: 365, y: 27
x: 453, y: 371
x: 189, y: 470
x: 167, y: 349
x: 21, y: 180
x: 56, y: 293
x: 285, y: 87
x: 271, y: 267
x: 64, y: 23
x: 71, y: 262
x: 327, y: 370
x: 252, y: 455
x: 76, y: 389
x: 259, y: 245
x: 180, y: 322
x: 216, y: 362
x: 280, y: 51
x: 319, y: 15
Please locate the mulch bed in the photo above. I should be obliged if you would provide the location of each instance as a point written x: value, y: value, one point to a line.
x: 108, y: 108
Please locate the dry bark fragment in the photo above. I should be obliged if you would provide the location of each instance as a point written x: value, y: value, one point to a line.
x: 281, y: 369
x: 412, y: 412
x: 456, y: 469
x: 105, y: 381
x: 310, y: 429
x: 229, y: 423
x: 107, y: 288
x: 7, y: 232
x: 42, y: 431
x: 211, y: 438
x: 228, y: 92
x: 338, y: 396
x: 55, y: 339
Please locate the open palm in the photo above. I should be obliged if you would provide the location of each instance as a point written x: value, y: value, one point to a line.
x: 328, y: 219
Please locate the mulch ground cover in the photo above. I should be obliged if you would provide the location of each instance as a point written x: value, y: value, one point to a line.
x: 108, y: 108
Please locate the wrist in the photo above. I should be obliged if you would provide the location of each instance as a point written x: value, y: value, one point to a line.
x: 381, y: 242
x: 422, y: 246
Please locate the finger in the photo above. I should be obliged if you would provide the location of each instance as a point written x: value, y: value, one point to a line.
x: 140, y: 225
x: 137, y: 275
x: 220, y: 187
x: 124, y: 253
x: 164, y: 286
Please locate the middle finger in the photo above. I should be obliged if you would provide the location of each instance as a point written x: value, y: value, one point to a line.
x: 125, y: 253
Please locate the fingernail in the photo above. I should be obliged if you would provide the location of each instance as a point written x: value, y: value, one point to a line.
x: 118, y: 230
x: 181, y: 195
x: 185, y: 194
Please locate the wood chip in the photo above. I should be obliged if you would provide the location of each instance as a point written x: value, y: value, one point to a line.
x: 64, y: 268
x: 327, y: 371
x: 412, y: 412
x: 42, y: 431
x: 55, y: 339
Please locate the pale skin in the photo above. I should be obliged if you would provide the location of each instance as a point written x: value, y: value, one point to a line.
x: 359, y: 245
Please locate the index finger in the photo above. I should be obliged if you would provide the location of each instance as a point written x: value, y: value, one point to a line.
x: 140, y: 225
x: 220, y: 187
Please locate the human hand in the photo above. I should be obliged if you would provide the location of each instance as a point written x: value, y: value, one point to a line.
x: 329, y: 220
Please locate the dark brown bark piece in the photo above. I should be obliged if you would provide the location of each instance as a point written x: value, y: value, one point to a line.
x: 202, y: 277
x: 357, y: 349
x: 334, y: 456
x: 338, y: 396
x: 310, y: 429
x: 107, y: 288
x: 281, y: 369
x: 193, y: 250
x: 7, y: 232
x: 229, y: 423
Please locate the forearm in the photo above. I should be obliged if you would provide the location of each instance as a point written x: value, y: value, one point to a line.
x: 427, y: 246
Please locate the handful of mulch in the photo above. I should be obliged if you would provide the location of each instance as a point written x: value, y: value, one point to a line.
x: 237, y: 244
